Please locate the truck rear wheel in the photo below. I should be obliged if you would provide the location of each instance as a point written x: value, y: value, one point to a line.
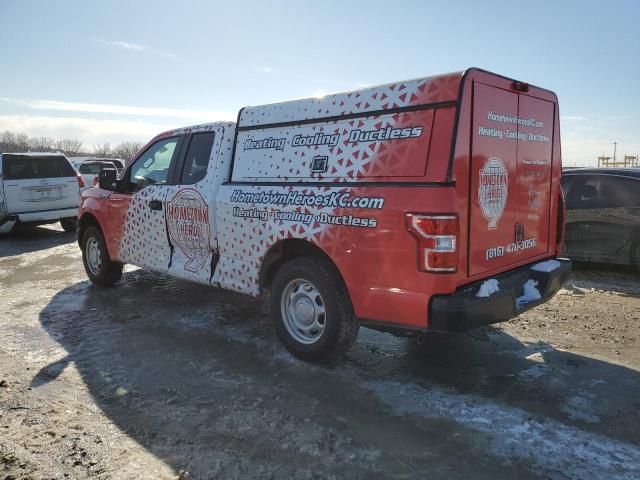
x: 95, y: 256
x: 69, y: 224
x: 311, y: 311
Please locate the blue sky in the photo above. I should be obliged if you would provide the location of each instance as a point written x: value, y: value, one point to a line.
x: 113, y: 71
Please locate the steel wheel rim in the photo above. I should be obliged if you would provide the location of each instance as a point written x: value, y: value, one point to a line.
x: 303, y: 311
x: 93, y: 255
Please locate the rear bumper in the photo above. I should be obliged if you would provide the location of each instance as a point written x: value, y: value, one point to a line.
x: 47, y: 215
x: 463, y: 310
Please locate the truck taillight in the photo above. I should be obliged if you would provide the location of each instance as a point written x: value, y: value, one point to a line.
x: 437, y: 237
x: 80, y: 180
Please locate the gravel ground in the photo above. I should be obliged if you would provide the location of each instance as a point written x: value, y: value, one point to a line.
x: 162, y: 379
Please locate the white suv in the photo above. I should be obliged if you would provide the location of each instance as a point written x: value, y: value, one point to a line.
x: 89, y: 169
x: 38, y: 188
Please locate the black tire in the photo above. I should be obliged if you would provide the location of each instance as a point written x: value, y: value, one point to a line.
x: 107, y: 273
x: 6, y: 228
x: 340, y: 327
x: 69, y: 224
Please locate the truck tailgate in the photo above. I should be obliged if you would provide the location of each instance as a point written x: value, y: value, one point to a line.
x: 41, y: 194
x: 510, y: 200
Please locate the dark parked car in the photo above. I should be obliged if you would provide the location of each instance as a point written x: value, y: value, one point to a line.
x: 603, y: 215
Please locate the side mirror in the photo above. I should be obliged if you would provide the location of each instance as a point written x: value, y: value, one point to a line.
x: 107, y: 179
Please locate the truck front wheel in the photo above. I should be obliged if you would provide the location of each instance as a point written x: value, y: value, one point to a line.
x: 95, y: 256
x: 311, y: 310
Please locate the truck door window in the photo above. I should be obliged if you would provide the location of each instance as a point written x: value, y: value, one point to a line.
x: 197, y: 158
x: 152, y: 167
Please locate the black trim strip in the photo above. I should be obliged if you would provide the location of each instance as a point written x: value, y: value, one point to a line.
x: 569, y: 174
x: 178, y: 154
x: 235, y: 142
x: 469, y: 204
x: 341, y: 184
x: 171, y: 247
x: 454, y: 137
x: 400, y: 329
x: 334, y: 118
x: 215, y: 257
x: 177, y: 163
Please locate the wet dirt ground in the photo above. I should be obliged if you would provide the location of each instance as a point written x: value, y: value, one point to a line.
x: 162, y: 379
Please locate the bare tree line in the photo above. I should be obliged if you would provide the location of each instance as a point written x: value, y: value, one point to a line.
x: 21, y: 142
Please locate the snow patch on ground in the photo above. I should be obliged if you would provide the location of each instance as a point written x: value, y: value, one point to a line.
x: 488, y: 288
x: 279, y: 353
x: 547, y: 445
x: 533, y: 351
x: 580, y: 407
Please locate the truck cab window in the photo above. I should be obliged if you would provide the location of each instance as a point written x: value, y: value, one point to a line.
x: 152, y: 167
x: 197, y: 158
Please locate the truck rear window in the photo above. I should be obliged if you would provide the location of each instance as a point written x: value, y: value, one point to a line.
x: 23, y: 167
x: 94, y: 168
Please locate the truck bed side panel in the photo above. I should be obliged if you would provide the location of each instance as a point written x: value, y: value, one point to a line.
x: 371, y: 247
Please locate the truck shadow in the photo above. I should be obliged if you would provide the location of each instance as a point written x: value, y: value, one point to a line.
x: 197, y: 377
x: 25, y: 239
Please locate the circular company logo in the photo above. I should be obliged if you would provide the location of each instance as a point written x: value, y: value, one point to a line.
x: 493, y: 189
x: 188, y: 225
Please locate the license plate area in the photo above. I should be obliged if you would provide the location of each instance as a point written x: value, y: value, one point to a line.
x: 42, y: 194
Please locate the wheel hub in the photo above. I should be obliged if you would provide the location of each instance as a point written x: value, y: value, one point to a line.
x: 303, y: 311
x: 93, y: 255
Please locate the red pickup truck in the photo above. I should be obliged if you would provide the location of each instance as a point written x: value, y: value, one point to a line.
x: 430, y: 205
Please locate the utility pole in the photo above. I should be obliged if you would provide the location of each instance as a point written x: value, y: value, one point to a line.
x: 615, y: 146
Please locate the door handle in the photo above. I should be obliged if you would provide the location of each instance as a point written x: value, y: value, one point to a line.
x: 155, y: 204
